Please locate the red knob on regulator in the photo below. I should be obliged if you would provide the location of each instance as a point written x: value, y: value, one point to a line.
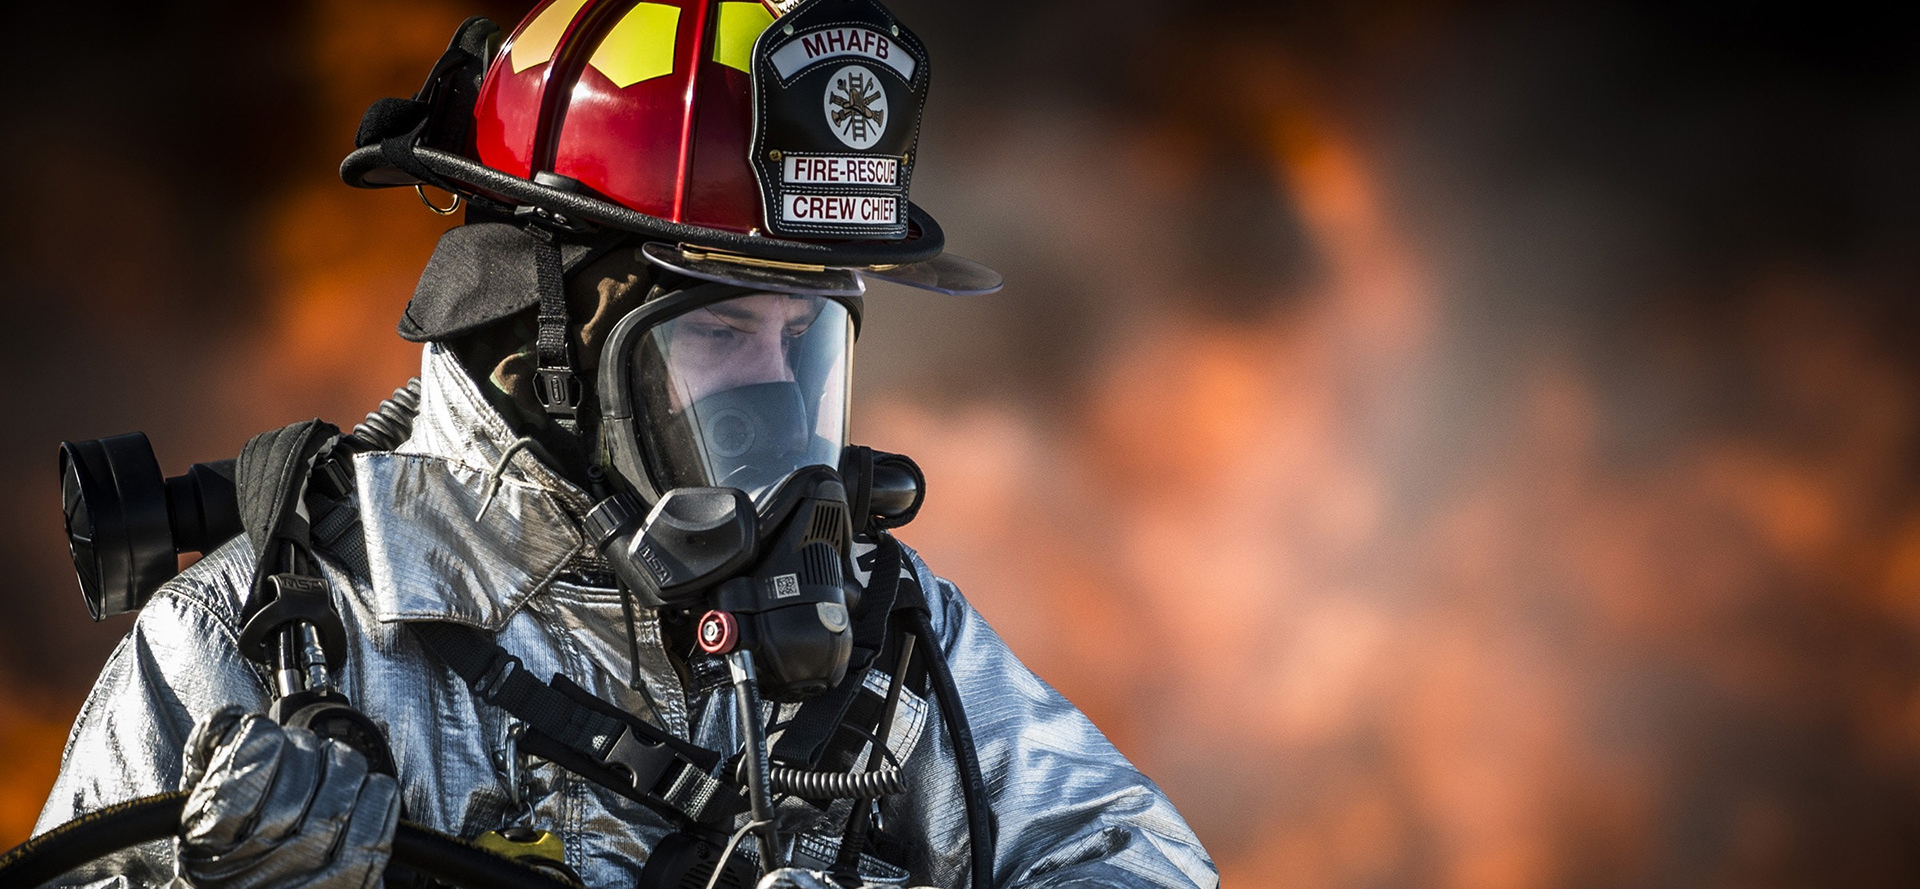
x: 718, y: 631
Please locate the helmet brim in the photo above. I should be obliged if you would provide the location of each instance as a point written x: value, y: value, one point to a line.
x: 755, y: 274
x: 946, y: 274
x: 368, y: 167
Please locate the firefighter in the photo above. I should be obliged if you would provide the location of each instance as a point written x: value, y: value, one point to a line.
x: 632, y: 409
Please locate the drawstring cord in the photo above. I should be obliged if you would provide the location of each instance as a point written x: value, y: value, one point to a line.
x: 493, y: 475
x: 636, y: 681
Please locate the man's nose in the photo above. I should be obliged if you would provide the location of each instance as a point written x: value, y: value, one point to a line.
x: 764, y: 360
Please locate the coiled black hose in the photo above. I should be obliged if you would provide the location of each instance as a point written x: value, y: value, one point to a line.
x: 836, y: 785
x: 104, y: 831
x: 392, y: 422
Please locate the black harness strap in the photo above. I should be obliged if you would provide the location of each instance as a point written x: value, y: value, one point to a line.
x: 272, y: 476
x: 292, y: 483
x: 556, y: 386
x: 570, y: 726
x: 338, y: 531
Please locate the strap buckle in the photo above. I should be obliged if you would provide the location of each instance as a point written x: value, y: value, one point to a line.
x: 642, y: 762
x: 558, y: 390
x: 296, y: 597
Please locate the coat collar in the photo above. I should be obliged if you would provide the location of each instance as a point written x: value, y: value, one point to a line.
x: 429, y: 556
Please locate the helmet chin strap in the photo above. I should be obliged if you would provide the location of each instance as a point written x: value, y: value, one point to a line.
x: 556, y: 386
x: 580, y: 287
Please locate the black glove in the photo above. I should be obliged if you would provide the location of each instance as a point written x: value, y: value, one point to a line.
x: 281, y: 808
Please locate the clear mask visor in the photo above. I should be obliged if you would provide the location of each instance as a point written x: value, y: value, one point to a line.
x: 743, y: 392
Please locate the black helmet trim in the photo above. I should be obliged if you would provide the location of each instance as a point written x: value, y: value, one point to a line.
x: 760, y: 274
x: 368, y: 167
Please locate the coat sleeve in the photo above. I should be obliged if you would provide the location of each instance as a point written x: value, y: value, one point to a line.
x: 1068, y: 809
x: 179, y: 664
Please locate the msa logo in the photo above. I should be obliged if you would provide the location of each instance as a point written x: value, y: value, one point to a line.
x: 786, y: 586
x: 652, y: 560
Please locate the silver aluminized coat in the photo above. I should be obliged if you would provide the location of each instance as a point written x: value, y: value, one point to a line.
x: 1071, y: 811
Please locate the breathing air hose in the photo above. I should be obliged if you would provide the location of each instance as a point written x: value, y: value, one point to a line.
x: 388, y: 425
x: 973, y: 783
x: 99, y: 833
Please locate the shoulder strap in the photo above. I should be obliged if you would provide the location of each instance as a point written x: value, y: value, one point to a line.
x: 295, y: 491
x: 591, y: 737
x: 271, y: 478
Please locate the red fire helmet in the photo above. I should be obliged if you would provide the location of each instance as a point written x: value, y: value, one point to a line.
x: 647, y: 104
x: 775, y: 130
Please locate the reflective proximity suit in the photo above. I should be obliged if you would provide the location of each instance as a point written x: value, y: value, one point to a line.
x: 1070, y: 810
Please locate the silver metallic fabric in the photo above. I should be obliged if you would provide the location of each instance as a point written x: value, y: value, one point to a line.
x: 281, y: 808
x: 797, y: 878
x: 1071, y: 811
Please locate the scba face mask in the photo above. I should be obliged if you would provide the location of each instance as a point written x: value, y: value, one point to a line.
x: 724, y: 416
x: 719, y: 385
x: 743, y: 392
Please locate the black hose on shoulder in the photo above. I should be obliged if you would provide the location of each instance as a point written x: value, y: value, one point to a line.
x: 104, y: 831
x: 392, y: 422
x: 973, y: 783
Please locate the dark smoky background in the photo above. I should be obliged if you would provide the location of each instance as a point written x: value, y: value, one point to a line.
x: 1444, y: 444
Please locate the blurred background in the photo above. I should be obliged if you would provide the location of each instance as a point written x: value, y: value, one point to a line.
x: 1451, y: 444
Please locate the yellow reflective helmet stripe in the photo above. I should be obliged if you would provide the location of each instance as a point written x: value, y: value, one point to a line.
x: 536, y: 41
x: 640, y: 45
x: 740, y: 25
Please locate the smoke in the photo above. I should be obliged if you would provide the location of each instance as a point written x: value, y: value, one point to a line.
x: 1442, y: 444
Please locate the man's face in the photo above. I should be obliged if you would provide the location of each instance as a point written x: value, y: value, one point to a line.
x: 743, y: 391
x: 739, y: 342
